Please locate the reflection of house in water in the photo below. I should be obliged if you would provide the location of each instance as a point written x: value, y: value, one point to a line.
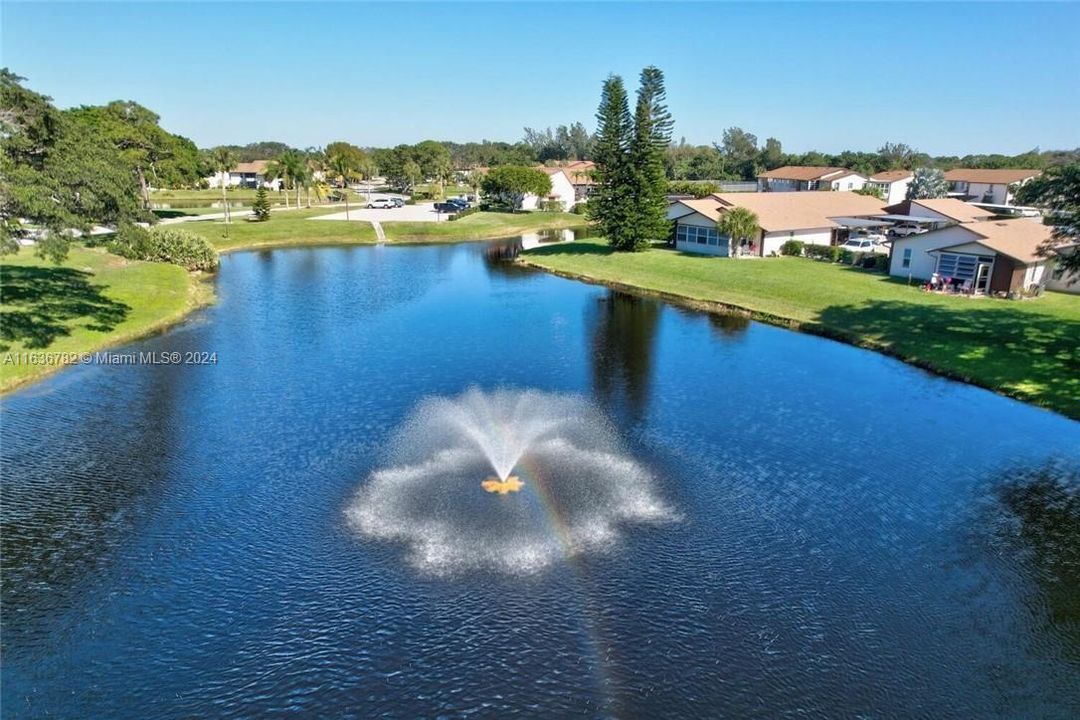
x: 546, y: 237
x: 624, y: 333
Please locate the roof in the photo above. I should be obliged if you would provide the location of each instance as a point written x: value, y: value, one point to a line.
x: 797, y: 211
x: 257, y: 167
x: 552, y: 171
x: 802, y: 172
x: 707, y: 206
x: 1019, y: 239
x: 994, y: 177
x: 954, y: 209
x: 891, y: 176
x: 580, y: 172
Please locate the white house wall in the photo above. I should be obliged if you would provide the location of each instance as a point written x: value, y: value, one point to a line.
x: 815, y: 236
x: 854, y: 181
x: 696, y: 219
x: 897, y: 191
x: 1060, y: 281
x: 923, y: 264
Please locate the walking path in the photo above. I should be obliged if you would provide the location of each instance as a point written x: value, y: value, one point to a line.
x: 379, y: 234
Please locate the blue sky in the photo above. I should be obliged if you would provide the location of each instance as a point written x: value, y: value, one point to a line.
x: 945, y: 78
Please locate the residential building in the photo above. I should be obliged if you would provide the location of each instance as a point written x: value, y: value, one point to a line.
x: 812, y: 218
x: 796, y: 178
x: 988, y: 187
x: 246, y: 175
x: 562, y: 191
x: 993, y: 256
x: 580, y: 173
x: 893, y: 184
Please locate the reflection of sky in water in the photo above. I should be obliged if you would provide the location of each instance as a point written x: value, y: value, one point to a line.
x: 175, y: 538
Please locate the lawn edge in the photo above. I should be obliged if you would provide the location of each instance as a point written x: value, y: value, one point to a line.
x: 200, y: 294
x: 810, y: 328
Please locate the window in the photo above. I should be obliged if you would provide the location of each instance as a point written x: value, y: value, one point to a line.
x: 907, y: 258
x: 960, y: 267
x: 697, y: 235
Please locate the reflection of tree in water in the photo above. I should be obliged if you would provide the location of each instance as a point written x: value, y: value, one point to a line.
x: 728, y: 326
x: 624, y: 331
x: 1042, y: 522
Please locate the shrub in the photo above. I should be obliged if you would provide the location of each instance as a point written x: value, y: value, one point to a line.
x: 828, y: 253
x: 698, y: 189
x: 847, y: 257
x: 168, y: 245
x: 551, y: 206
x: 580, y: 208
x: 464, y: 213
x: 792, y: 247
x: 881, y: 263
x: 260, y: 209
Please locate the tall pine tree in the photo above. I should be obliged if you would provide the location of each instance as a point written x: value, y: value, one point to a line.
x: 611, y: 204
x: 648, y: 180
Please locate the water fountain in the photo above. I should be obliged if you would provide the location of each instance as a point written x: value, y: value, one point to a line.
x: 506, y: 480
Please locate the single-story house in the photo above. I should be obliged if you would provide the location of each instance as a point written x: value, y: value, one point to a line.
x: 811, y: 218
x: 245, y: 174
x: 580, y: 173
x: 1062, y: 280
x: 988, y: 187
x: 796, y: 178
x: 893, y: 184
x: 994, y: 256
x: 562, y: 190
x: 945, y: 211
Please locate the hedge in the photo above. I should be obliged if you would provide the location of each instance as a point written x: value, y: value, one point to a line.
x: 172, y: 245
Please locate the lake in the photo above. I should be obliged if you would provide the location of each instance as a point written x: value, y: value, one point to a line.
x: 813, y: 530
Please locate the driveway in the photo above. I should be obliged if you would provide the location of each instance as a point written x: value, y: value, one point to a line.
x: 421, y: 212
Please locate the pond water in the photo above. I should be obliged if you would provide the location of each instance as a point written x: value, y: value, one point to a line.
x: 718, y: 518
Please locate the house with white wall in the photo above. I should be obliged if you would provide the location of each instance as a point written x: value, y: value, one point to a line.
x: 247, y: 175
x: 993, y: 256
x: 989, y: 187
x: 943, y: 211
x: 798, y: 178
x: 893, y: 184
x: 562, y: 191
x: 811, y: 218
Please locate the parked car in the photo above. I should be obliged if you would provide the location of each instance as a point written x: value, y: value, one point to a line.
x: 460, y: 202
x: 906, y: 230
x: 398, y: 202
x: 863, y: 244
x: 381, y: 204
x: 447, y: 207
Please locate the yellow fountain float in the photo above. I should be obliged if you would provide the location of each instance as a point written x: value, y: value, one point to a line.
x: 510, y: 485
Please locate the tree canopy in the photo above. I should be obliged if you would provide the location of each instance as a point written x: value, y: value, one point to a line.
x: 509, y: 184
x: 1057, y: 191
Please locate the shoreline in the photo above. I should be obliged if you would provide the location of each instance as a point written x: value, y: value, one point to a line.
x: 809, y: 328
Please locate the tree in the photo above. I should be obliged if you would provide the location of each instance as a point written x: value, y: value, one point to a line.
x: 610, y: 206
x: 56, y: 176
x: 871, y: 191
x: 738, y: 224
x: 648, y: 144
x: 476, y: 181
x: 927, y: 183
x: 260, y: 209
x: 223, y: 161
x: 343, y: 164
x: 1057, y: 192
x: 510, y: 184
x: 740, y: 152
x: 772, y: 155
x: 897, y: 156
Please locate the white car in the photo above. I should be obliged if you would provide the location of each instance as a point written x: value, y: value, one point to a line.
x: 906, y: 230
x: 380, y: 204
x: 863, y: 245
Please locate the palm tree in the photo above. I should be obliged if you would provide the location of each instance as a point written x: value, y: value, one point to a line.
x: 342, y: 169
x: 738, y: 224
x: 224, y: 160
x: 275, y: 170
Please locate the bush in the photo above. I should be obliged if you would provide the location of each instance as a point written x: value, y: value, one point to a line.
x: 551, y: 206
x: 464, y: 213
x: 260, y: 209
x: 847, y: 257
x: 792, y: 247
x: 881, y: 263
x: 168, y: 245
x: 580, y: 208
x: 698, y: 189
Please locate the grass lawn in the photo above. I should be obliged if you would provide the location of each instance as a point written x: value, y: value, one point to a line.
x: 1026, y: 349
x: 284, y: 228
x: 92, y: 301
x: 479, y: 226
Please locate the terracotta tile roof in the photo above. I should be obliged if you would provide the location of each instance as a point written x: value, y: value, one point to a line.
x: 256, y: 166
x: 802, y: 172
x: 797, y: 211
x: 954, y: 209
x: 579, y: 171
x: 891, y: 176
x: 997, y: 177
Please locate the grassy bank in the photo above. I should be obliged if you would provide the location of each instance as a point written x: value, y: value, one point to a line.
x: 1024, y: 349
x: 284, y: 229
x: 92, y: 301
x: 479, y: 226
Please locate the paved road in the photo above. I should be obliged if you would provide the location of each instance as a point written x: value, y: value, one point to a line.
x: 424, y: 212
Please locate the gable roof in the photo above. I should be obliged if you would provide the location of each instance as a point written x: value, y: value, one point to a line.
x: 579, y: 171
x: 710, y: 207
x: 798, y: 211
x: 257, y: 167
x: 1018, y: 239
x: 802, y: 172
x: 993, y: 177
x: 891, y: 176
x: 954, y: 209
